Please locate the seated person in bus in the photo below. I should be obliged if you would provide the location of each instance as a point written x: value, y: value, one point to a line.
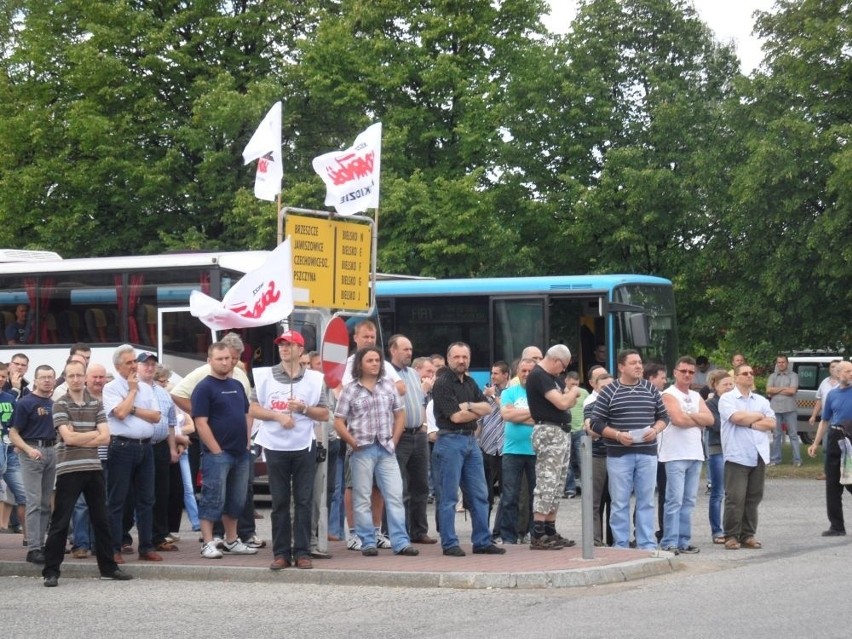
x: 18, y: 332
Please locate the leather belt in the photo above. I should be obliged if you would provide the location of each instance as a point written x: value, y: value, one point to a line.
x: 132, y: 440
x: 44, y: 443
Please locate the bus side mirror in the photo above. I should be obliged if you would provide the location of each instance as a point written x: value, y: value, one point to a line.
x: 640, y: 330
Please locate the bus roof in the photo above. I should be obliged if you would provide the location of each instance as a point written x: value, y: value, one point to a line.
x: 241, y: 261
x: 513, y: 285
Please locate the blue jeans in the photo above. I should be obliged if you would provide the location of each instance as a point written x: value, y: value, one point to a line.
x: 574, y: 462
x: 791, y: 420
x: 296, y: 469
x: 335, y: 510
x: 682, y: 477
x: 224, y: 481
x: 514, y: 467
x: 628, y: 474
x: 365, y: 464
x: 716, y: 470
x: 189, y: 502
x: 457, y: 461
x: 130, y: 464
x: 10, y: 472
x: 81, y: 533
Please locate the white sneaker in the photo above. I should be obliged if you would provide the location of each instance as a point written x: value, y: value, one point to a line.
x: 237, y: 547
x: 354, y: 542
x: 209, y: 550
x: 382, y: 540
x: 255, y: 542
x: 218, y: 541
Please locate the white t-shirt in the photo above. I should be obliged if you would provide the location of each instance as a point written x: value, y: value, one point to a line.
x: 676, y: 443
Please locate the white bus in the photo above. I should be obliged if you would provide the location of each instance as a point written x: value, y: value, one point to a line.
x: 141, y: 300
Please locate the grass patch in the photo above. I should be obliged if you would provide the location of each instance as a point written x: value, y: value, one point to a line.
x: 811, y: 468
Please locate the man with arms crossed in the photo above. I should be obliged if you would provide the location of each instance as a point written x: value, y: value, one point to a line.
x: 681, y: 449
x: 747, y: 421
x: 629, y: 414
x: 550, y: 401
x: 82, y: 427
x: 457, y: 459
x: 781, y: 389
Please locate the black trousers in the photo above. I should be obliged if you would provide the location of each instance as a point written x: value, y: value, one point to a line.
x: 412, y: 453
x: 162, y: 476
x: 69, y: 486
x: 833, y: 487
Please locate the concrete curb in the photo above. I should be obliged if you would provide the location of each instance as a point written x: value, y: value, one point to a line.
x: 663, y: 563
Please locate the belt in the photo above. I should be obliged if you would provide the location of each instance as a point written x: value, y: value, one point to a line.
x: 413, y: 430
x: 455, y: 431
x: 565, y: 427
x: 44, y: 443
x: 132, y: 440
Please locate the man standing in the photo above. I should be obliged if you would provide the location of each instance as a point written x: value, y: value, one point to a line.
x: 289, y: 399
x: 781, y: 389
x: 81, y: 425
x: 681, y: 449
x: 629, y: 414
x: 370, y: 419
x: 491, y: 439
x: 132, y: 411
x: 32, y: 433
x: 550, y: 402
x: 518, y: 455
x: 220, y: 410
x: 837, y: 422
x: 746, y: 420
x: 458, y: 404
x: 17, y: 383
x: 412, y: 449
x: 165, y: 452
x: 573, y: 484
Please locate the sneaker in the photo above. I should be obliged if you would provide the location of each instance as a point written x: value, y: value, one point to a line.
x: 454, y: 551
x: 545, y: 542
x: 354, y: 542
x: 566, y: 543
x: 370, y: 552
x: 671, y: 549
x: 51, y: 581
x: 408, y: 551
x: 489, y: 550
x: 255, y: 542
x: 382, y: 540
x: 237, y: 547
x: 210, y: 551
x: 173, y: 537
x: 689, y: 550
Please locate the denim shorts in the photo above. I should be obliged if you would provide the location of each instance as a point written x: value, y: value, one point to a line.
x: 224, y: 485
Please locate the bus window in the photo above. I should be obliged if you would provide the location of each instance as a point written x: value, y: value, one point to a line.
x: 518, y: 323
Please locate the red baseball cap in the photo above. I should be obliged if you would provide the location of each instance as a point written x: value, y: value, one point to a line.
x: 293, y: 337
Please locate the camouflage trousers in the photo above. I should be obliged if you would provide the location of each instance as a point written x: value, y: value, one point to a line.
x: 552, y: 448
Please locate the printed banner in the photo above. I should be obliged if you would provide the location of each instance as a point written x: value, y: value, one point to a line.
x: 265, y: 147
x: 352, y: 176
x: 260, y: 298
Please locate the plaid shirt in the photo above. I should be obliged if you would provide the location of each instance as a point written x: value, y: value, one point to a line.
x: 369, y: 414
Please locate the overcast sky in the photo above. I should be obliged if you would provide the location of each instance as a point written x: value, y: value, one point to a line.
x: 730, y: 20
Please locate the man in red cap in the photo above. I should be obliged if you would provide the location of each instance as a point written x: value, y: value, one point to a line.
x: 289, y: 399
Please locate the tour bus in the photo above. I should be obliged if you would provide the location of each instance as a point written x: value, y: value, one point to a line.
x: 499, y: 317
x: 140, y: 300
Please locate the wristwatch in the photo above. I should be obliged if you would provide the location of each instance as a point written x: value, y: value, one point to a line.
x: 132, y: 410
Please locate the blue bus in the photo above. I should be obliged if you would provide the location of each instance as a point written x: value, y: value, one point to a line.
x: 499, y: 317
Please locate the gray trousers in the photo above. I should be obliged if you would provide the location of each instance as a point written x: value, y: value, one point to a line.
x: 39, y: 477
x: 743, y: 494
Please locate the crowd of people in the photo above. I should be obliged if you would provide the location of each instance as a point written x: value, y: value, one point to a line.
x: 88, y: 459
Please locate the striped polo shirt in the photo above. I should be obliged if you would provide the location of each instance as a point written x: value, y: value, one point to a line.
x: 83, y: 418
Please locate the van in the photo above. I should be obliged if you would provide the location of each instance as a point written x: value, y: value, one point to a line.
x: 812, y: 369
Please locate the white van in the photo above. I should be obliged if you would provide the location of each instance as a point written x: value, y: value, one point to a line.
x: 812, y: 369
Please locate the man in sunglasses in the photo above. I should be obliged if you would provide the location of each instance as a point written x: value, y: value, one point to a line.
x: 747, y: 421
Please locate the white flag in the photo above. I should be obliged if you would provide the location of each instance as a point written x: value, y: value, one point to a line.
x: 265, y: 146
x: 260, y: 298
x: 352, y: 176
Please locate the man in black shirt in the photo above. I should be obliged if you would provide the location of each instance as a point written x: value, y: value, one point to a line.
x: 456, y: 459
x: 549, y: 402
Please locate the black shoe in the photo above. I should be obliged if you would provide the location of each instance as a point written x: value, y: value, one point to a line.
x: 831, y: 532
x: 51, y: 581
x: 35, y: 556
x: 117, y: 575
x: 371, y: 551
x: 408, y: 551
x: 489, y: 550
x: 454, y: 551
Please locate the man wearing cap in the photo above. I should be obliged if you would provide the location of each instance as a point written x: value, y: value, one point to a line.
x: 289, y: 399
x: 132, y: 413
x: 164, y: 449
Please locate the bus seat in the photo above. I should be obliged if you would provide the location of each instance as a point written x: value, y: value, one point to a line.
x: 146, y: 321
x: 50, y: 323
x: 96, y: 325
x: 69, y: 327
x: 112, y: 325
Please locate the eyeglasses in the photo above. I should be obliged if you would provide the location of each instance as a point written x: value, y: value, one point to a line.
x: 685, y: 371
x: 749, y: 373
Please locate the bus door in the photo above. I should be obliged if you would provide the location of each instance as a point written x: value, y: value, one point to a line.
x: 517, y: 322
